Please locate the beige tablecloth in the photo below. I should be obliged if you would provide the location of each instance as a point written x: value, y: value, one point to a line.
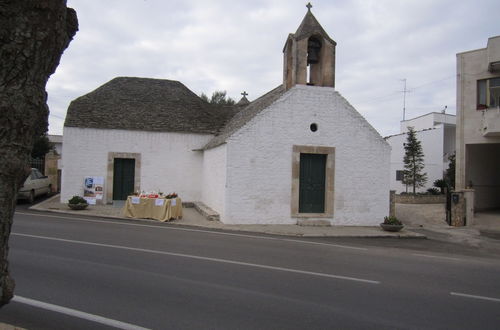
x: 149, y: 208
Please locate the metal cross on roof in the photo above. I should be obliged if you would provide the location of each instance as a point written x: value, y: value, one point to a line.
x: 244, y: 94
x: 309, y: 6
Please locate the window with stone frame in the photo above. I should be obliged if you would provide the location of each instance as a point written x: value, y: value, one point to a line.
x: 488, y: 93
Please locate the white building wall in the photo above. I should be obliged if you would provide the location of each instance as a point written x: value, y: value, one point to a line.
x: 449, y: 143
x: 418, y: 123
x: 443, y: 118
x: 426, y: 121
x: 432, y: 141
x: 214, y: 178
x: 56, y: 141
x: 168, y: 162
x: 259, y: 160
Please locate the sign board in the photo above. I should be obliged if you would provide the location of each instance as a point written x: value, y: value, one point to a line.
x: 93, y: 189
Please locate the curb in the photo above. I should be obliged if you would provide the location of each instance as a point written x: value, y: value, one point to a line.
x: 405, y: 234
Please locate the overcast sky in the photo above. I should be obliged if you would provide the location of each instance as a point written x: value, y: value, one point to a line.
x: 238, y: 46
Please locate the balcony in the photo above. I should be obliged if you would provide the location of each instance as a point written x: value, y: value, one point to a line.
x: 491, y: 122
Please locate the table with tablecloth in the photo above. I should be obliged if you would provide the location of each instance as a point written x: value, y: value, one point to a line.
x: 161, y: 209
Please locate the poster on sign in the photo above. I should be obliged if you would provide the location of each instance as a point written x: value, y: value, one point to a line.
x: 93, y: 188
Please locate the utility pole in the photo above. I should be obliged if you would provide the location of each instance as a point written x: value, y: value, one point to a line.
x: 404, y: 91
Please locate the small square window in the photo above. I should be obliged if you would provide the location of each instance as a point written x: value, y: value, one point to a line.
x: 399, y: 175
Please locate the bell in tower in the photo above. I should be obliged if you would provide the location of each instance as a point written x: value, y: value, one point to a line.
x: 309, y: 55
x: 313, y: 48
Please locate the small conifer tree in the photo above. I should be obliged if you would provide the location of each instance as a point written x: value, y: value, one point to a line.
x: 413, y: 174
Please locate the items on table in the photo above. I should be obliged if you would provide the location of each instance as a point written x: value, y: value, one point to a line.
x: 145, y: 207
x: 154, y: 194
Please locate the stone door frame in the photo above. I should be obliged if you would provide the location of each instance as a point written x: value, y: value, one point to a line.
x: 110, y: 172
x: 329, y: 180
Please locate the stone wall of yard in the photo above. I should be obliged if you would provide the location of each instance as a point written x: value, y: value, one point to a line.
x: 420, y: 199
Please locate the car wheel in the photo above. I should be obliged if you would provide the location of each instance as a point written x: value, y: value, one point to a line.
x: 31, y: 197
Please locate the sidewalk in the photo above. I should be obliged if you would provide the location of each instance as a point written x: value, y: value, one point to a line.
x: 429, y: 219
x: 192, y: 218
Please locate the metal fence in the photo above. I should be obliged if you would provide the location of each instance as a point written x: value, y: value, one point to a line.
x: 38, y: 163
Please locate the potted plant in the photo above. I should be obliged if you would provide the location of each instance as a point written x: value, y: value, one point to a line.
x: 77, y: 203
x: 391, y: 223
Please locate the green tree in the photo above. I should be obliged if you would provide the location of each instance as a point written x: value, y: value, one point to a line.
x: 449, y: 175
x: 33, y: 36
x: 41, y: 146
x: 218, y: 97
x: 441, y: 184
x: 413, y: 174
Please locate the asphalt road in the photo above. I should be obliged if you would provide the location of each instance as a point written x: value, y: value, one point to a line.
x: 96, y: 273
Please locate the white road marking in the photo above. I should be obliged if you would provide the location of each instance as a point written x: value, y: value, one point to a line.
x: 437, y: 257
x: 190, y: 256
x: 474, y: 296
x: 76, y: 313
x: 197, y: 231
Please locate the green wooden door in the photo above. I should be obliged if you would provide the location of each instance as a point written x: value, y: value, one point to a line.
x: 312, y: 183
x: 123, y: 178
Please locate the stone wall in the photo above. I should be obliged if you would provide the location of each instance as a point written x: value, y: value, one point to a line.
x: 420, y: 199
x: 214, y: 178
x: 51, y: 170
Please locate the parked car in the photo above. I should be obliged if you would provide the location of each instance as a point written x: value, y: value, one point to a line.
x: 35, y: 185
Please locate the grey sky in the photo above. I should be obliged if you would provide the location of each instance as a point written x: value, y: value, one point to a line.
x: 237, y: 45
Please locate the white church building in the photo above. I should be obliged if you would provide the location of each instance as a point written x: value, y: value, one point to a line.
x: 301, y: 151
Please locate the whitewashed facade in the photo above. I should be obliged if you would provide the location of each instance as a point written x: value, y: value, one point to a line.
x: 259, y: 161
x: 165, y: 161
x: 214, y: 180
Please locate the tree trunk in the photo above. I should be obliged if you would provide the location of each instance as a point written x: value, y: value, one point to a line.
x: 414, y: 174
x: 33, y: 36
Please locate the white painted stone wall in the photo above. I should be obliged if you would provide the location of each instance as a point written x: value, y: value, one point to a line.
x: 418, y: 123
x: 214, y: 178
x: 432, y: 142
x: 426, y: 121
x: 449, y: 143
x: 259, y: 160
x: 168, y: 162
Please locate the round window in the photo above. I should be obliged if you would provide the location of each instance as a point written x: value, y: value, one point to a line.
x: 314, y: 127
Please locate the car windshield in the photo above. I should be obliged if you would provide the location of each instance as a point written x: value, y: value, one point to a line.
x: 35, y: 174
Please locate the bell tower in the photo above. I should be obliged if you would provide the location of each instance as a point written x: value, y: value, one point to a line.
x: 309, y: 55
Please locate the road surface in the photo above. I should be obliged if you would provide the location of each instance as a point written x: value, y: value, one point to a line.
x: 91, y: 273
